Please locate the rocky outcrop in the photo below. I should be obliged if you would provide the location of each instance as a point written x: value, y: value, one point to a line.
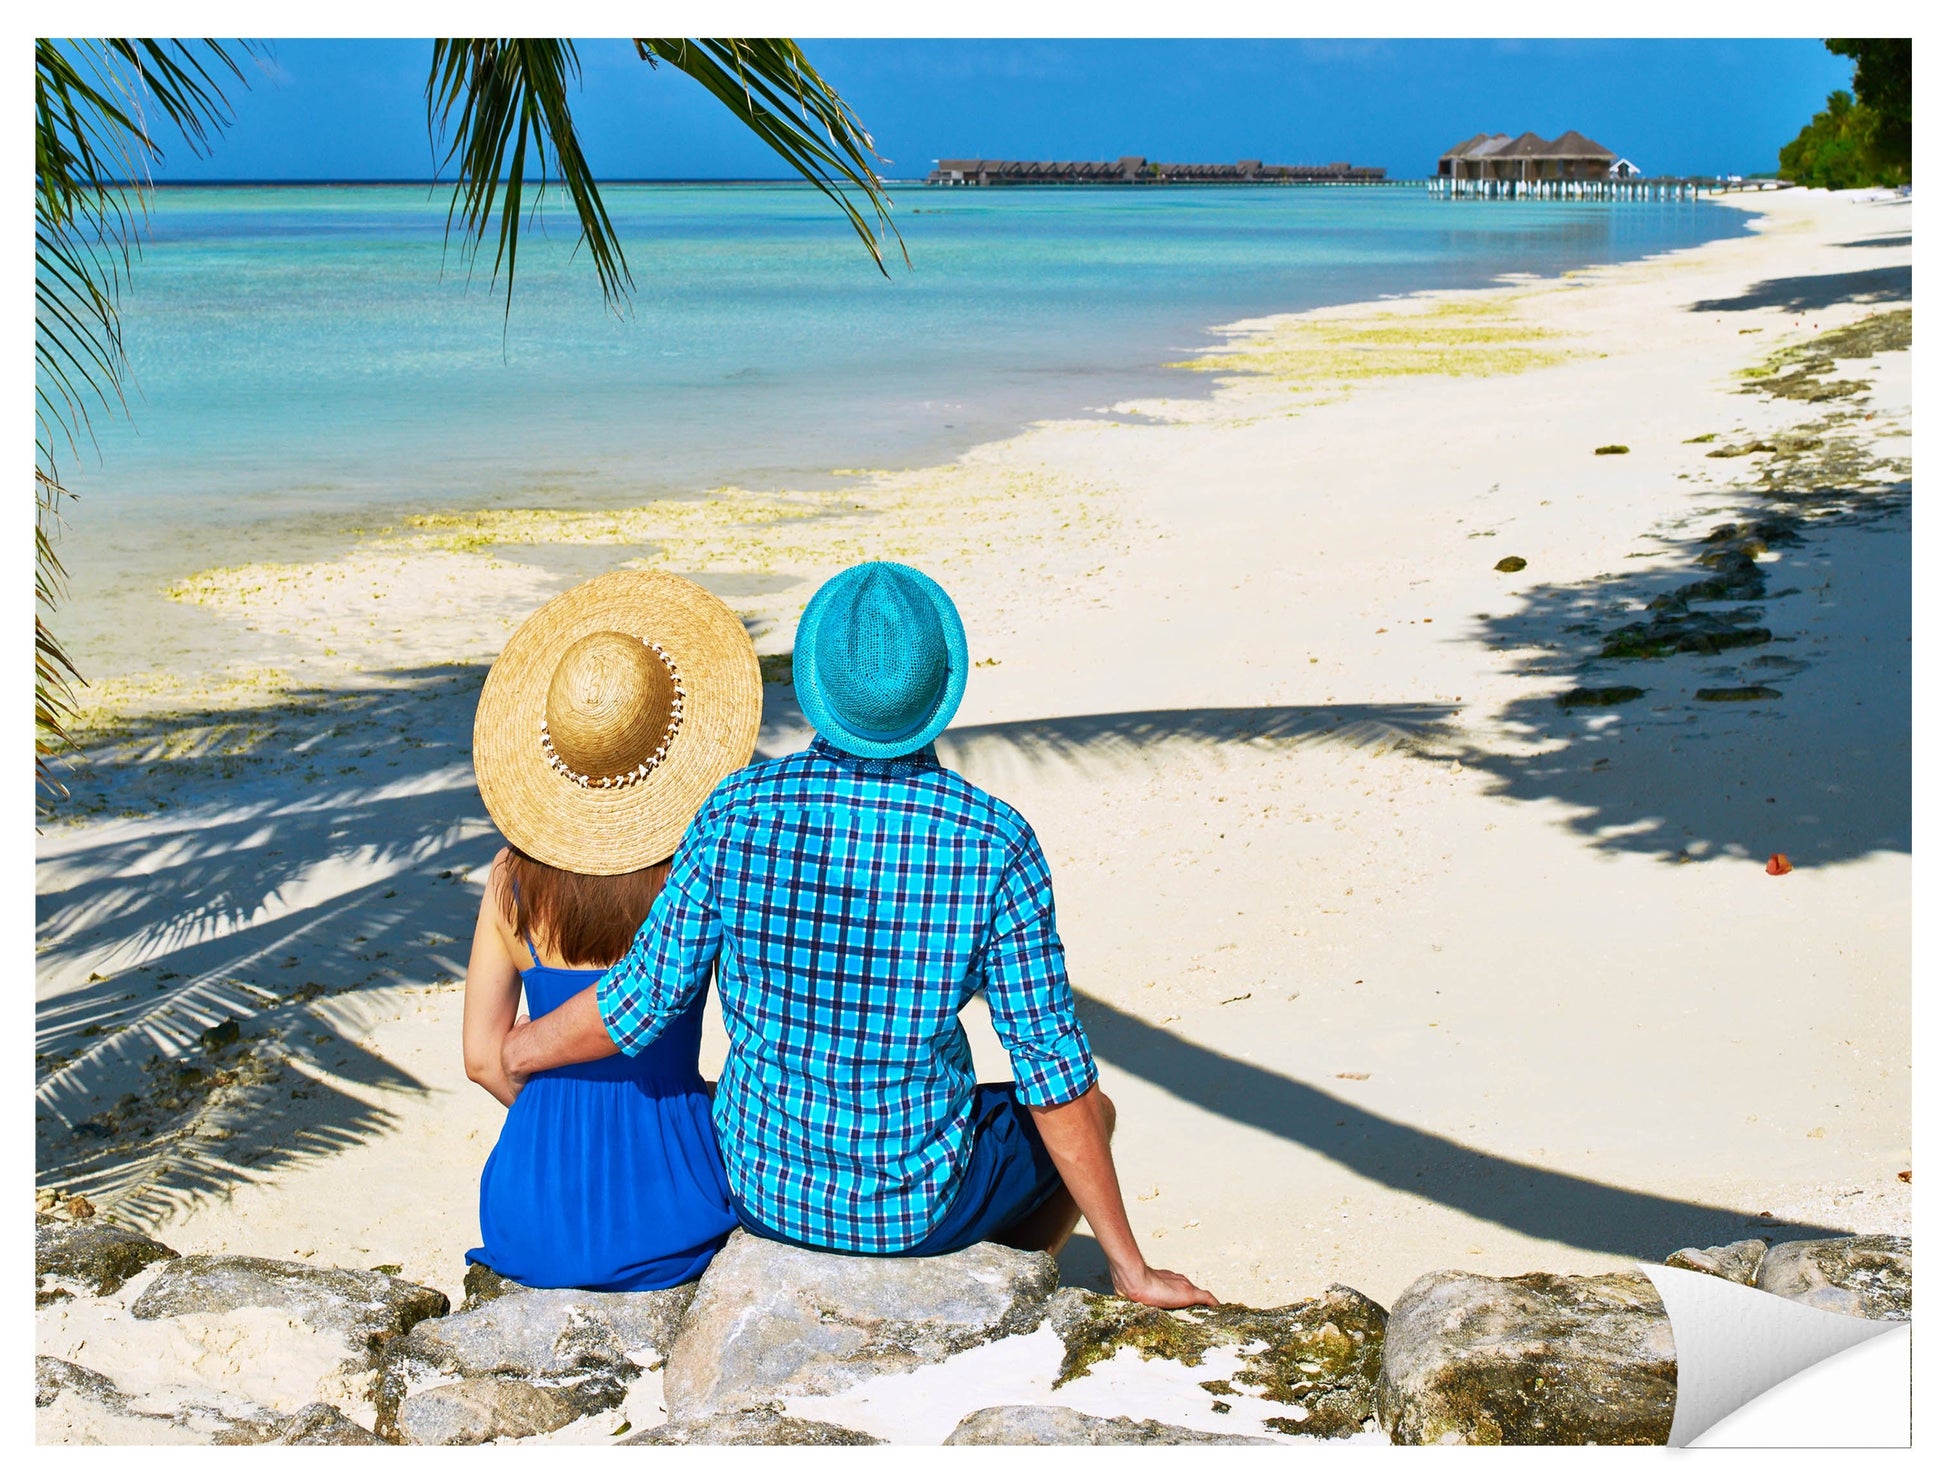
x: 54, y: 1376
x: 366, y: 1309
x: 316, y: 1425
x: 1058, y: 1426
x: 1864, y: 1276
x: 1319, y: 1359
x: 764, y: 1426
x: 1462, y: 1357
x: 88, y: 1256
x: 580, y: 1347
x: 1538, y: 1359
x: 772, y: 1320
x: 1737, y: 1262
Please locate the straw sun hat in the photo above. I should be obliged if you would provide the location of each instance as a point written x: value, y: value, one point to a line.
x: 609, y: 717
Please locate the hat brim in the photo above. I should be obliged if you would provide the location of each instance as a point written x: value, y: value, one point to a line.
x: 611, y: 831
x: 811, y: 698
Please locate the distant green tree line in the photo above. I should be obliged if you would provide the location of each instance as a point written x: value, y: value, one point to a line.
x: 1863, y: 137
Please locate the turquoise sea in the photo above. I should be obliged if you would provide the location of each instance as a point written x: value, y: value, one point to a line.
x: 307, y: 359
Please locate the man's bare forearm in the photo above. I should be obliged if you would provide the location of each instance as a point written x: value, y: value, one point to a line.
x: 570, y: 1035
x: 1076, y: 1136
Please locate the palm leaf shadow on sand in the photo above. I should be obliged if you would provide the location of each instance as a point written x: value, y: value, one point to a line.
x: 282, y: 856
x: 1521, y: 1197
x: 1819, y: 768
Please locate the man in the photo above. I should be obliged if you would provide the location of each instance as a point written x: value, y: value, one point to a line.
x: 852, y: 898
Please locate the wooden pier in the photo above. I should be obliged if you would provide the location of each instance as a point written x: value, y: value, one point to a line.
x: 1633, y: 188
x: 1138, y: 170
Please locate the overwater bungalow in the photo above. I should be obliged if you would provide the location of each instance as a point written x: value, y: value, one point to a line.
x: 1529, y: 158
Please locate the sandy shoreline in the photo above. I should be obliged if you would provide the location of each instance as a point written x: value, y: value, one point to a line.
x: 1392, y: 962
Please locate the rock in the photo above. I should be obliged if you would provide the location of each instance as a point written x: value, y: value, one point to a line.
x: 1533, y: 1359
x: 1737, y: 1262
x: 1685, y: 633
x: 547, y: 1331
x: 482, y: 1285
x: 1738, y: 579
x: 94, y: 1256
x: 1739, y: 693
x: 52, y: 1376
x: 764, y: 1426
x: 1511, y: 564
x: 1320, y: 1358
x: 1608, y: 448
x: 579, y: 1342
x: 1600, y: 695
x: 773, y: 1320
x: 365, y: 1308
x: 1058, y: 1426
x: 475, y: 1410
x: 316, y: 1425
x: 1865, y: 1276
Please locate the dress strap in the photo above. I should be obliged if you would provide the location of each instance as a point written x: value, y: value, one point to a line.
x: 526, y: 937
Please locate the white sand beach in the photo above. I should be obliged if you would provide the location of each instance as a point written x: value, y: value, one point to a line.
x: 1392, y: 962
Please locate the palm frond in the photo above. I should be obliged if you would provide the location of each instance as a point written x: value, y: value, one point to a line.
x: 498, y: 97
x: 500, y: 107
x: 769, y: 84
x: 93, y: 148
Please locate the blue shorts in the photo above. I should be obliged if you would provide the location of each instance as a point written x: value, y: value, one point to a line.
x: 1007, y: 1179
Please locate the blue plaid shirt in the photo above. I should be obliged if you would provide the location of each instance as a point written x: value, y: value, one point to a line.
x: 851, y: 908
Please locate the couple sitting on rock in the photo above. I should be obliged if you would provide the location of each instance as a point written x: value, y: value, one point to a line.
x: 850, y: 899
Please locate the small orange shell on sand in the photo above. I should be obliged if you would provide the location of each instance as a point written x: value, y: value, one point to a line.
x: 1779, y: 865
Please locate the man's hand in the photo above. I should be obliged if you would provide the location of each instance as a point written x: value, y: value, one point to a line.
x: 1162, y: 1289
x: 570, y: 1035
x: 514, y: 1081
x: 1076, y: 1135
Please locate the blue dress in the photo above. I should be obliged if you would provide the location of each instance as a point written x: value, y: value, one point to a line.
x: 607, y: 1174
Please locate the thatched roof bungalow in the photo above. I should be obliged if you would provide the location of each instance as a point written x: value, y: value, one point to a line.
x: 1573, y: 156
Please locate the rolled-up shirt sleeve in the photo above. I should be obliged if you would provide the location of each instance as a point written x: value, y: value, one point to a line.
x: 1024, y: 974
x: 669, y: 962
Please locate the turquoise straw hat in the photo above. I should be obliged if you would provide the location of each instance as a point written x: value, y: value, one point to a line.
x: 880, y: 663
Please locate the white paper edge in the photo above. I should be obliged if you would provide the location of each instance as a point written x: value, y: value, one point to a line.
x: 1733, y: 1343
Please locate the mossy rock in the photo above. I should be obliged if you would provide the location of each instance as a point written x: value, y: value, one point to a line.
x: 93, y: 1256
x: 482, y: 1285
x: 1607, y: 448
x: 1734, y: 693
x: 1701, y: 438
x: 1511, y: 564
x: 1537, y: 1359
x: 1685, y: 633
x: 1599, y: 695
x: 1320, y: 1357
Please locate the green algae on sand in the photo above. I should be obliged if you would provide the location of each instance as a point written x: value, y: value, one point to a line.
x: 1461, y: 337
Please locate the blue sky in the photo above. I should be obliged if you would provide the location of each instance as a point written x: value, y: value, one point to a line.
x: 356, y: 109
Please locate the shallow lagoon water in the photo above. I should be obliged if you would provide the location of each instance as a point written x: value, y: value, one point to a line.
x: 312, y: 359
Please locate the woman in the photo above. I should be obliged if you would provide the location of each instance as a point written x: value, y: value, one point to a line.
x: 609, y: 717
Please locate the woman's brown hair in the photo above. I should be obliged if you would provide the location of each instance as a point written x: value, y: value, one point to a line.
x: 575, y: 918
